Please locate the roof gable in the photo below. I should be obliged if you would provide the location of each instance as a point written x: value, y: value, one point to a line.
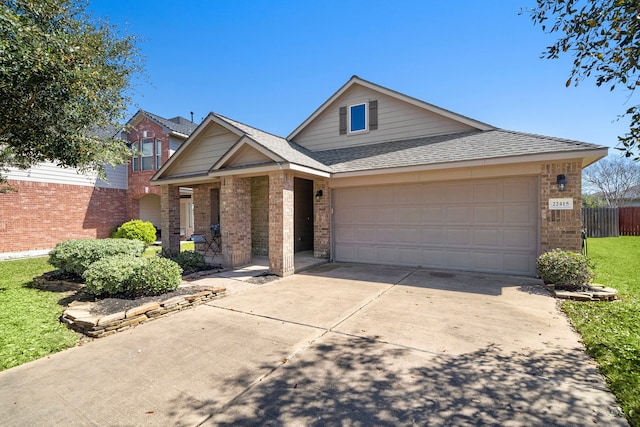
x: 377, y: 89
x: 244, y: 153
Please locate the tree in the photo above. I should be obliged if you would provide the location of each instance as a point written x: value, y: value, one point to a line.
x: 63, y: 77
x: 603, y: 38
x: 615, y: 179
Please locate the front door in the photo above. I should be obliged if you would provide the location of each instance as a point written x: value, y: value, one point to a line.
x: 303, y: 214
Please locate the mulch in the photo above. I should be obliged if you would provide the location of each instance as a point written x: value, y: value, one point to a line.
x: 104, y: 305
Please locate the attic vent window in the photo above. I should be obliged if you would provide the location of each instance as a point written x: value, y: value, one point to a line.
x: 357, y: 118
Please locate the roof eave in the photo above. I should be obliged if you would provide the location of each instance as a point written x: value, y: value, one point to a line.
x: 588, y: 157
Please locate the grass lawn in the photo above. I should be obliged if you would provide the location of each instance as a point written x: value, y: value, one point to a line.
x: 29, y: 317
x: 611, y: 330
x: 29, y: 325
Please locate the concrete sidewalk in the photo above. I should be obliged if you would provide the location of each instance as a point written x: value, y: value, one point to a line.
x: 340, y: 344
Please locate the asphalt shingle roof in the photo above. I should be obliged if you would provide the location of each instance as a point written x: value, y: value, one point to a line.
x: 289, y: 151
x: 175, y: 124
x: 465, y: 146
x: 457, y: 147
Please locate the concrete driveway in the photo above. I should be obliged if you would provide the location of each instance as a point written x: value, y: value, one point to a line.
x: 341, y: 344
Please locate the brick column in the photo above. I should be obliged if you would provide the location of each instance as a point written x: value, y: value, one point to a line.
x: 202, y: 212
x: 281, y: 260
x: 321, y: 219
x: 561, y: 228
x: 170, y: 213
x: 235, y: 220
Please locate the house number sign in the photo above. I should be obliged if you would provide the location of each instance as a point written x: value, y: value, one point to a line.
x: 561, y: 204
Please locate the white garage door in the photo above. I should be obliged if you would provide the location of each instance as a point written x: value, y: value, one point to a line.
x: 479, y: 225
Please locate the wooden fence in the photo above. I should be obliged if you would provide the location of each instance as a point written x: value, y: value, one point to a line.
x: 629, y: 221
x: 611, y: 222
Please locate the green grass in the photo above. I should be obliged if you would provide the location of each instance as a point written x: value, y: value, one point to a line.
x: 29, y: 317
x: 29, y: 325
x: 611, y: 330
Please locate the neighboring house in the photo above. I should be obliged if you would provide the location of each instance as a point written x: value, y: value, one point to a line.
x: 375, y: 176
x: 53, y: 204
x: 154, y: 139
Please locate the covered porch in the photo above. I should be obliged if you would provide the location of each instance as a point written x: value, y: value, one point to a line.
x: 280, y: 218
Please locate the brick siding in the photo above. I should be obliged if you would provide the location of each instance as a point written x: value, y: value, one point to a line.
x: 561, y: 228
x: 260, y: 215
x: 138, y: 182
x: 40, y: 215
x: 321, y: 220
x: 235, y: 220
x: 281, y: 259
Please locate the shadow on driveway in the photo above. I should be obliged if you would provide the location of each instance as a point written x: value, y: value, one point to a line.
x: 362, y: 382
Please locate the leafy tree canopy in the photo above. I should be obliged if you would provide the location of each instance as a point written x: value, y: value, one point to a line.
x: 63, y: 76
x: 603, y: 38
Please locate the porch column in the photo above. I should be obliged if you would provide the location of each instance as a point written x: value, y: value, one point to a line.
x: 202, y: 208
x: 170, y: 217
x: 235, y: 220
x: 281, y: 261
x: 561, y: 228
x: 321, y: 219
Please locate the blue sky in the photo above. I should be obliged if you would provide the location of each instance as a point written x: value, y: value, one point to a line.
x: 270, y: 64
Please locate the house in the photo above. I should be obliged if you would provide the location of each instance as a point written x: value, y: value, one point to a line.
x: 53, y: 204
x: 376, y: 176
x: 154, y: 139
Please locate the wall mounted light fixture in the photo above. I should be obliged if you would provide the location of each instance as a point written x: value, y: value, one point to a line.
x: 561, y: 180
x: 318, y: 195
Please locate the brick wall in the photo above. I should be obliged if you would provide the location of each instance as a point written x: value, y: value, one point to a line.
x: 40, y: 215
x: 235, y: 220
x: 260, y: 215
x: 561, y: 228
x: 170, y: 214
x: 321, y: 220
x: 139, y: 181
x: 281, y: 259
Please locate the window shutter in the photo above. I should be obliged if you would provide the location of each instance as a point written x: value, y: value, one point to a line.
x: 343, y: 120
x: 373, y: 115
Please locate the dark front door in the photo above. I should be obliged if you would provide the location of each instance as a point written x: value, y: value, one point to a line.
x: 303, y: 214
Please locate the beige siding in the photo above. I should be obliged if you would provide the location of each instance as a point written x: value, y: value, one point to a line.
x: 247, y: 156
x: 49, y: 172
x: 396, y: 120
x: 202, y: 152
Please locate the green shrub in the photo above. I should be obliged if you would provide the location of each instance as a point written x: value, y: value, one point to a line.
x: 124, y: 275
x: 565, y: 269
x: 75, y: 256
x: 137, y: 230
x: 190, y: 261
x: 158, y: 276
x: 112, y: 275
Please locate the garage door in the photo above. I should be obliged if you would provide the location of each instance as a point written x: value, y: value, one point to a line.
x: 479, y: 225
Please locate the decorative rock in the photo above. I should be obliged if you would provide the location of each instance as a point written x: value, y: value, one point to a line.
x: 79, y: 317
x: 111, y: 318
x: 141, y: 309
x: 134, y: 320
x: 172, y: 302
x: 86, y: 322
x: 76, y: 314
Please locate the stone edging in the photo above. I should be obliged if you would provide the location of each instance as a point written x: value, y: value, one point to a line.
x: 594, y: 292
x: 78, y: 315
